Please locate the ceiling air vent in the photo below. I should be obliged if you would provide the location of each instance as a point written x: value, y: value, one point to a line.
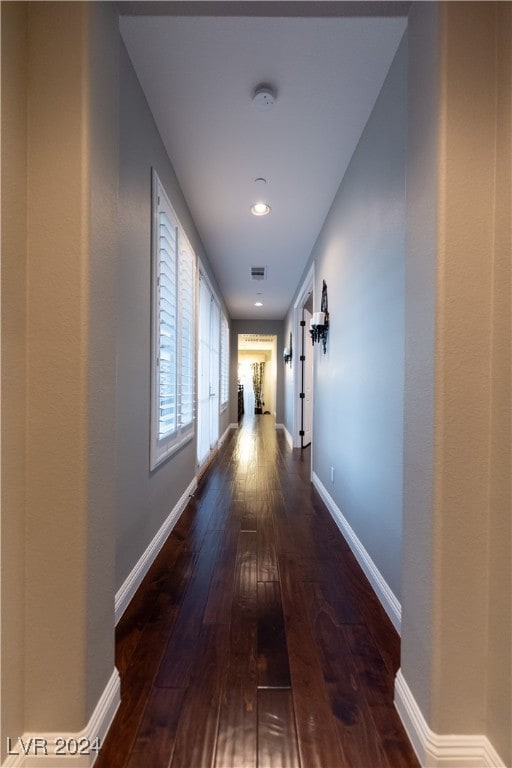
x: 258, y: 273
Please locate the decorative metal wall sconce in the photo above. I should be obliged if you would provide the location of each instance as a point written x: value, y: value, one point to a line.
x: 319, y: 324
x: 287, y: 352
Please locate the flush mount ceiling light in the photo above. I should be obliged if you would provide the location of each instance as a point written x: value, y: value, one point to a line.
x: 260, y: 209
x: 264, y: 98
x: 258, y: 303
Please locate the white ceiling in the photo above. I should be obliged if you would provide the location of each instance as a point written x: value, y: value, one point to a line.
x: 199, y: 74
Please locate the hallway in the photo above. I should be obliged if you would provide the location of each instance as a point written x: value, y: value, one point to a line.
x: 255, y: 641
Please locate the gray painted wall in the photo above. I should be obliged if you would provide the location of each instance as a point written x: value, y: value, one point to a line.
x: 145, y: 498
x: 358, y: 386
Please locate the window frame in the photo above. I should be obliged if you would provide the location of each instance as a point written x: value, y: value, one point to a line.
x: 164, y: 445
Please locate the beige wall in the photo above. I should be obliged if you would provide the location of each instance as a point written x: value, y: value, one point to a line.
x: 72, y: 252
x: 463, y: 368
x: 499, y: 641
x: 456, y: 607
x: 60, y: 270
x: 13, y: 268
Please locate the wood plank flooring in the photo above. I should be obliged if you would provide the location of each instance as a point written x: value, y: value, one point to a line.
x: 255, y: 640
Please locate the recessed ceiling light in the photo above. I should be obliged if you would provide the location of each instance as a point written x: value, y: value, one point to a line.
x: 260, y: 209
x: 258, y: 304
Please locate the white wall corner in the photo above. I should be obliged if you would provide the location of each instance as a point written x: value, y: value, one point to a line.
x: 439, y: 750
x: 287, y: 435
x: 68, y: 750
x: 134, y: 579
x: 380, y: 586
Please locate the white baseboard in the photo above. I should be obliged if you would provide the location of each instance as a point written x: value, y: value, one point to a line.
x: 289, y: 438
x: 35, y: 750
x: 438, y: 750
x: 226, y: 433
x: 387, y: 598
x: 132, y: 583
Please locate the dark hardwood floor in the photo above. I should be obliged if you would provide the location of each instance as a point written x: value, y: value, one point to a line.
x: 255, y: 640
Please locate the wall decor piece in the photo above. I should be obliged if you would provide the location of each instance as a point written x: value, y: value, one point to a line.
x: 319, y: 323
x: 287, y: 352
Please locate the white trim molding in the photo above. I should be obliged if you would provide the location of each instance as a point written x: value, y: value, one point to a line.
x: 226, y: 433
x: 380, y: 586
x: 134, y: 579
x: 33, y: 750
x: 439, y: 750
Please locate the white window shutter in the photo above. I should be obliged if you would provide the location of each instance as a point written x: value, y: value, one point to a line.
x: 172, y: 331
x: 187, y: 335
x: 167, y: 326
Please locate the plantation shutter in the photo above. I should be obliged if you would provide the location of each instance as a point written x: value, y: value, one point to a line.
x: 224, y: 361
x: 172, y: 330
x: 167, y: 323
x: 186, y: 299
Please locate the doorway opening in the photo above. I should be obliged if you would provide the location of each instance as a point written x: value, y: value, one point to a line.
x: 257, y: 373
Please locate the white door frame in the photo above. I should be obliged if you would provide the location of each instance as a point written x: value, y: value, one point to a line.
x: 307, y: 289
x: 307, y: 380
